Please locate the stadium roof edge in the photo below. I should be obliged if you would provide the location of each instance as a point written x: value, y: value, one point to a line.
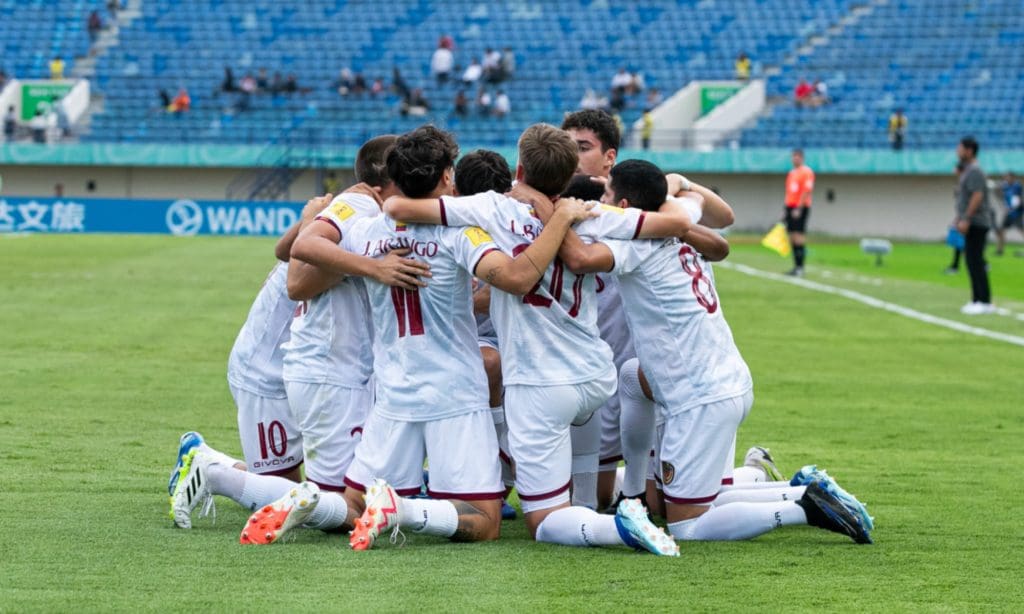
x: 749, y: 160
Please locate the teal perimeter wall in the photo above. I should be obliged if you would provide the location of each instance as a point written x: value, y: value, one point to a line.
x: 840, y: 161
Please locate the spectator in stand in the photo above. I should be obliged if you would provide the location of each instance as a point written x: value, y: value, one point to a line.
x: 654, y: 98
x: 262, y: 81
x: 483, y: 102
x: 181, y: 103
x: 113, y: 6
x: 636, y: 83
x: 502, y: 105
x: 591, y: 101
x: 617, y: 101
x: 248, y: 84
x: 277, y: 85
x: 228, y: 84
x: 358, y: 84
x: 802, y: 93
x: 343, y: 84
x: 398, y: 84
x: 377, y: 88
x: 820, y: 96
x: 472, y: 73
x: 57, y: 67
x: 332, y: 185
x: 461, y: 103
x: 646, y: 128
x: 508, y: 63
x: 742, y: 66
x: 94, y: 24
x: 897, y: 129
x: 492, y: 65
x: 1014, y: 217
x: 291, y: 85
x: 442, y: 62
x: 10, y: 123
x: 622, y: 80
x: 415, y: 105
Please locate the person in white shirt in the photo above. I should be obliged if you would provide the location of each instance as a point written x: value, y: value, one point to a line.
x: 442, y: 63
x: 472, y: 73
x: 502, y: 105
x: 622, y: 79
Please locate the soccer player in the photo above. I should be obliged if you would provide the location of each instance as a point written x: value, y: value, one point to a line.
x: 601, y: 444
x: 431, y: 388
x: 694, y: 371
x: 556, y: 369
x: 799, y: 188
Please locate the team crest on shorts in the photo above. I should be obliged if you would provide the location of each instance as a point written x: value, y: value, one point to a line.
x: 668, y: 472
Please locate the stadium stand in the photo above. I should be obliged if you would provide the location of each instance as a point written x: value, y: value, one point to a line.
x: 930, y: 58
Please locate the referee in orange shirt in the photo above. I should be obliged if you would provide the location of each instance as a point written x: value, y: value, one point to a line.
x: 799, y: 186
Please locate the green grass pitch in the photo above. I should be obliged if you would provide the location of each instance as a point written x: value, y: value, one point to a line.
x: 113, y: 346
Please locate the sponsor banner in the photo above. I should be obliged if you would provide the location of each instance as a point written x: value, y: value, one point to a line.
x: 713, y: 95
x: 38, y: 96
x: 180, y: 217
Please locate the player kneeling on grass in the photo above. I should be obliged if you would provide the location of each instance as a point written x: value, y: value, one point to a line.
x: 701, y: 384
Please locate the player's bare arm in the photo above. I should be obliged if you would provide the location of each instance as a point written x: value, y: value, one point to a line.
x: 317, y: 244
x: 482, y: 299
x: 717, y: 212
x: 518, y: 275
x: 306, y: 281
x: 313, y: 206
x: 709, y: 243
x: 413, y: 210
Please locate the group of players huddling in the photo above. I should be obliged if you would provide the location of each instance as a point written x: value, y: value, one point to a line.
x: 507, y: 333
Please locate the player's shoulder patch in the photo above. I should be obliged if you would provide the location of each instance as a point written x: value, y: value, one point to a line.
x: 341, y: 210
x: 477, y: 236
x: 613, y: 209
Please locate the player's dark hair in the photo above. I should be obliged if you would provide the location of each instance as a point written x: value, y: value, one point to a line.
x: 641, y: 183
x: 371, y: 161
x: 969, y: 142
x: 798, y: 151
x: 549, y: 157
x: 482, y: 170
x: 584, y: 187
x: 600, y: 122
x: 419, y: 159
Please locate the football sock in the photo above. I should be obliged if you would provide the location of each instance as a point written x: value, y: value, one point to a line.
x: 330, y: 513
x: 430, y: 516
x: 501, y: 430
x: 738, y: 521
x: 220, y: 457
x: 758, y: 495
x: 753, y: 485
x: 250, y: 490
x: 798, y: 255
x: 579, y: 526
x: 636, y: 427
x: 586, y: 448
x: 748, y: 475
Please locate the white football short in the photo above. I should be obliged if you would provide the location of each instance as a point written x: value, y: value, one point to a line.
x: 271, y: 441
x: 462, y: 452
x: 539, y: 419
x: 488, y: 342
x: 695, y: 454
x: 331, y: 421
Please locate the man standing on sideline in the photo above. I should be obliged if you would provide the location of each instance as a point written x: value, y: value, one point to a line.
x: 973, y: 219
x: 799, y: 187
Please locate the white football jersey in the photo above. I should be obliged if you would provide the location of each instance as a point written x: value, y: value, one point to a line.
x: 427, y: 363
x: 683, y: 342
x: 548, y: 337
x: 611, y: 319
x: 255, y: 362
x: 331, y: 334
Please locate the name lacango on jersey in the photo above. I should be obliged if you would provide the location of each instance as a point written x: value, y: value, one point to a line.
x: 423, y: 249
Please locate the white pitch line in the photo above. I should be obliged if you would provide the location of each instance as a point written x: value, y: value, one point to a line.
x: 871, y: 301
